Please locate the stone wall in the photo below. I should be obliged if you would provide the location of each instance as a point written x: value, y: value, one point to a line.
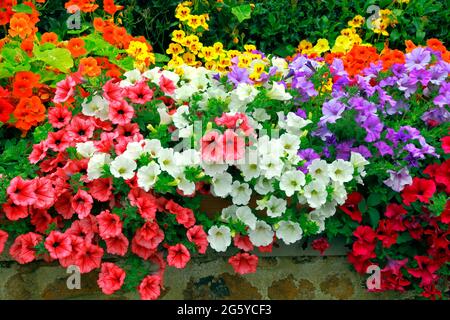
x: 301, y: 277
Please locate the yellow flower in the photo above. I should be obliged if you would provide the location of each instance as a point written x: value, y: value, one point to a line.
x: 244, y: 60
x: 304, y: 46
x: 195, y: 47
x: 175, y: 62
x: 203, y: 18
x: 258, y: 68
x: 182, y: 13
x: 348, y: 32
x: 174, y: 49
x: 321, y: 46
x: 211, y: 65
x: 218, y: 47
x: 178, y: 36
x: 224, y: 61
x: 233, y: 53
x: 249, y: 48
x: 343, y: 44
x: 189, y: 59
x: 356, y: 22
x: 208, y: 53
x: 194, y: 21
x: 138, y: 50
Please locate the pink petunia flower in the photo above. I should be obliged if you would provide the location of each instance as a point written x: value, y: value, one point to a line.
x: 82, y: 203
x: 167, y: 86
x: 59, y: 117
x: 14, y: 212
x: 89, y: 257
x: 23, y: 250
x: 178, y: 256
x: 140, y: 93
x: 121, y: 113
x: 109, y: 225
x: 197, y: 235
x: 22, y: 192
x: 58, y: 244
x: 45, y: 193
x: 112, y: 92
x: 81, y: 130
x: 64, y: 90
x: 244, y: 263
x: 150, y: 287
x: 39, y: 152
x: 117, y: 245
x: 111, y: 278
x: 58, y: 141
x: 3, y: 239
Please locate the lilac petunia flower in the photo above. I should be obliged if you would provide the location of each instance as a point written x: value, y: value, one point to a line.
x: 417, y: 59
x: 384, y: 148
x: 239, y: 75
x: 398, y: 180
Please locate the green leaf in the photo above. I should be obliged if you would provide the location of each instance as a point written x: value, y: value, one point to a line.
x: 161, y: 58
x: 23, y: 8
x: 58, y: 58
x: 374, y: 217
x: 242, y: 12
x: 374, y: 199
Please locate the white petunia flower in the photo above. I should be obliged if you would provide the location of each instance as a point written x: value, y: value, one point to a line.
x: 123, y: 167
x: 164, y: 116
x: 96, y: 164
x: 147, y: 176
x: 131, y: 78
x: 153, y: 75
x: 188, y: 187
x: 289, y: 231
x: 166, y: 159
x: 290, y: 143
x: 260, y: 115
x: 134, y: 150
x: 316, y: 194
x: 219, y: 238
x: 250, y: 170
x: 325, y: 211
x: 278, y: 92
x: 264, y: 186
x: 292, y: 181
x: 179, y: 117
x: 98, y: 107
x: 246, y: 92
x: 271, y: 166
x: 86, y: 149
x: 213, y: 169
x: 241, y: 193
x: 359, y: 163
x: 318, y: 220
x: 275, y: 206
x: 261, y: 235
x: 341, y: 171
x: 292, y: 123
x: 221, y: 184
x: 152, y: 147
x: 228, y: 213
x: 318, y: 169
x: 246, y: 216
x: 339, y: 193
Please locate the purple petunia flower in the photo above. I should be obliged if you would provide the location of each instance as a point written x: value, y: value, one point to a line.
x: 373, y: 127
x: 384, y: 148
x: 417, y: 59
x: 239, y: 75
x: 332, y: 111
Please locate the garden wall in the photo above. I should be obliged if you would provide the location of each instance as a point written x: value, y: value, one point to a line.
x: 287, y: 273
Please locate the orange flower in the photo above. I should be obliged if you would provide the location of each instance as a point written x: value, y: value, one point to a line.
x: 20, y: 25
x: 410, y: 46
x: 99, y: 24
x: 436, y: 45
x: 49, y: 37
x: 22, y: 89
x: 28, y: 76
x: 28, y: 113
x: 110, y: 7
x: 76, y: 47
x: 83, y: 5
x: 27, y: 45
x: 6, y: 12
x: 390, y: 57
x: 89, y: 67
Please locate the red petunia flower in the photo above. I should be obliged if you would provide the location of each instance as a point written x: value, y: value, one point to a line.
x: 117, y: 245
x: 3, y: 239
x: 350, y: 206
x: 244, y: 263
x: 14, y: 212
x: 23, y: 250
x: 446, y: 144
x: 242, y: 242
x: 320, y: 245
x: 420, y: 189
x: 82, y: 203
